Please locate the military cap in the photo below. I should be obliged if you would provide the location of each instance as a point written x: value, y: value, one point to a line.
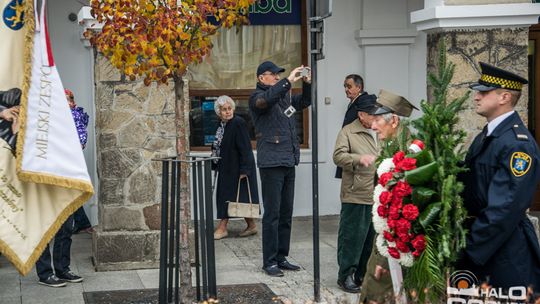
x: 391, y: 103
x: 269, y: 66
x: 367, y: 104
x: 495, y: 78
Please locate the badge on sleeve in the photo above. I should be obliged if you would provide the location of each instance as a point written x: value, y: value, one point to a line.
x: 520, y: 163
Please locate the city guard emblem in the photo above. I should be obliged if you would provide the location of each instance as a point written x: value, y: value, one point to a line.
x: 13, y: 15
x: 520, y: 163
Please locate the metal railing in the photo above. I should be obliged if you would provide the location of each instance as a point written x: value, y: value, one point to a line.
x: 201, y: 195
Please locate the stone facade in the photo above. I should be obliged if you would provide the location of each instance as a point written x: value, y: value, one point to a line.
x: 505, y: 48
x: 134, y: 124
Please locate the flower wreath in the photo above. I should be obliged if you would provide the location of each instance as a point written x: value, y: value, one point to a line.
x: 395, y: 216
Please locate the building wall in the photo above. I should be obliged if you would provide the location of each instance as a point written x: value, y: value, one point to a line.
x: 387, y: 58
x: 75, y: 66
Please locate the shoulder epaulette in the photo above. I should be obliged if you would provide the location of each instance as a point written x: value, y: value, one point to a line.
x: 520, y: 134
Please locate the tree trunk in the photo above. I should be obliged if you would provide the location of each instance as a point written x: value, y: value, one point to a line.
x: 182, y: 148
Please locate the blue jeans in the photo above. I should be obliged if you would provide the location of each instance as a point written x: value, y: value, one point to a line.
x: 61, y: 253
x: 81, y: 220
x: 278, y: 198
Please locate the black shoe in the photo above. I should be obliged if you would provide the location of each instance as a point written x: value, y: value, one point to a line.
x: 358, y: 281
x: 285, y: 265
x: 273, y: 271
x: 52, y: 281
x: 349, y: 285
x: 70, y: 277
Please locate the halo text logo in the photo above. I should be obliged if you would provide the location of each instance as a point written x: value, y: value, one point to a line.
x: 464, y: 289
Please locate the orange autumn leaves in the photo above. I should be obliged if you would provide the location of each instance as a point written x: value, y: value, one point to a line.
x: 159, y: 39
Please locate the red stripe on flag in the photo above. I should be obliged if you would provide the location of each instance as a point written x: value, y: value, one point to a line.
x: 48, y: 41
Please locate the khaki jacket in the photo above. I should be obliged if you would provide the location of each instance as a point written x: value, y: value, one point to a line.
x: 357, y: 181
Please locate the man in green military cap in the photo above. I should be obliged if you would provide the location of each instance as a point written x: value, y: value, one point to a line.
x: 504, y: 170
x: 387, y: 122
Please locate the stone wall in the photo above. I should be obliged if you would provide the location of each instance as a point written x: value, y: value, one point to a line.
x: 505, y: 48
x: 134, y: 124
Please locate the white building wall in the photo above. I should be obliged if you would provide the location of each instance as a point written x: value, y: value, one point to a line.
x: 387, y: 58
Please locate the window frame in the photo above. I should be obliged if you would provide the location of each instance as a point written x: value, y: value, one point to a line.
x: 245, y: 93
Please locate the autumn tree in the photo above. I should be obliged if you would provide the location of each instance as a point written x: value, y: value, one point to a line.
x: 157, y: 40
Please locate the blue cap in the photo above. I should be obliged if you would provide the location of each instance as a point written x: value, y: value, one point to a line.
x: 269, y: 66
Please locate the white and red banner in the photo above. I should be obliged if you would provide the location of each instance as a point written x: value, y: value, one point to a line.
x: 43, y: 174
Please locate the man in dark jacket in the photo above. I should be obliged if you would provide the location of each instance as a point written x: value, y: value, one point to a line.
x: 502, y: 248
x: 272, y: 108
x: 354, y: 89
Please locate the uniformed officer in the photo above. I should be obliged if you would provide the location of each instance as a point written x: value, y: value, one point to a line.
x: 503, y: 161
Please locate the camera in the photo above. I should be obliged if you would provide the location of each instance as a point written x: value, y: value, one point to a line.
x: 304, y: 72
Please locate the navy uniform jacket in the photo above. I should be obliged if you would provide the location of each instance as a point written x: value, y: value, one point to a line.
x: 502, y: 247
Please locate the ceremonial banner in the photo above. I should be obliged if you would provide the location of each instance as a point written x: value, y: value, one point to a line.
x: 43, y: 174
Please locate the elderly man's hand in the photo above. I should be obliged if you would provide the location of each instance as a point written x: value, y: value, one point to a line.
x: 367, y: 160
x: 379, y: 272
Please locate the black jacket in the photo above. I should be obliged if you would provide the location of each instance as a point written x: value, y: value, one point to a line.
x: 277, y: 141
x: 236, y: 158
x: 500, y: 186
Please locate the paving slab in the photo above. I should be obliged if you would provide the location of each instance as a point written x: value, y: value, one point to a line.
x: 238, y: 261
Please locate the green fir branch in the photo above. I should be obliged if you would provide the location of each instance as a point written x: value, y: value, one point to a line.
x: 445, y: 236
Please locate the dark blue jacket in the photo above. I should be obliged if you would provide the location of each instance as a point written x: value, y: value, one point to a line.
x: 500, y: 186
x: 277, y: 141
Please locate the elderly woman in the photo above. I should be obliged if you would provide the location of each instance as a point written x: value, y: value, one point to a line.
x: 236, y: 164
x: 388, y: 124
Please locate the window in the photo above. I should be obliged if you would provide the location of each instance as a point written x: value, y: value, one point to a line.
x: 231, y: 67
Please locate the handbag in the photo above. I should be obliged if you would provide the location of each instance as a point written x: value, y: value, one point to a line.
x: 239, y: 209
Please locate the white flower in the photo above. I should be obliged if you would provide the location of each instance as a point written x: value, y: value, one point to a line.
x: 377, y: 193
x: 379, y: 223
x: 386, y: 165
x: 406, y: 259
x: 382, y: 245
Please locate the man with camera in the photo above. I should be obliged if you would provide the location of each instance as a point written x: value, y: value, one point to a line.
x: 272, y: 108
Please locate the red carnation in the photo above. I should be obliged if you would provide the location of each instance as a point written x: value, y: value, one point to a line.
x: 404, y: 237
x: 398, y: 157
x: 402, y: 189
x: 402, y: 246
x: 385, y: 178
x: 393, y: 213
x: 419, y: 242
x: 407, y: 164
x: 391, y: 223
x: 393, y: 252
x: 410, y: 212
x: 382, y: 211
x: 416, y: 253
x: 403, y: 226
x: 397, y: 201
x: 385, y: 198
x: 388, y: 236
